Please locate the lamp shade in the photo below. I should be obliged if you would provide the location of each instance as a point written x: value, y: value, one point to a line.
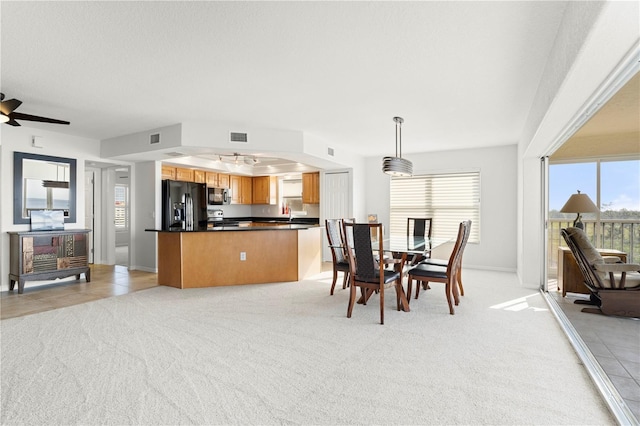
x: 397, y: 166
x: 579, y: 203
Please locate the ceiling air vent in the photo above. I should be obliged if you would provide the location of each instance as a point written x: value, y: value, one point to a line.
x: 154, y: 138
x: 330, y: 151
x: 238, y: 137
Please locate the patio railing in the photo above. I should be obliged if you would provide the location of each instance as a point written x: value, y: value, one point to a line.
x: 612, y: 234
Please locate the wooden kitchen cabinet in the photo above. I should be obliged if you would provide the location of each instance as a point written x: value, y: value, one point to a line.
x: 236, y: 189
x: 241, y: 189
x: 199, y: 176
x: 47, y: 255
x: 247, y: 190
x: 211, y: 179
x: 168, y: 172
x: 185, y: 175
x: 264, y: 190
x: 311, y: 188
x: 224, y: 180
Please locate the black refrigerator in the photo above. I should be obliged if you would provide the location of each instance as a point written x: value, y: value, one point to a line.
x: 184, y: 205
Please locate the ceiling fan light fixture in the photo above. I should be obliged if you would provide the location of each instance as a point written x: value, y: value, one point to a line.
x: 397, y: 166
x: 3, y: 118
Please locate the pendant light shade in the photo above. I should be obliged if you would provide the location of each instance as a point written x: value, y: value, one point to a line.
x: 397, y: 166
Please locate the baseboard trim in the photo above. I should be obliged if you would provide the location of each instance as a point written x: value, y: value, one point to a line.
x: 144, y: 269
x: 612, y: 398
x: 489, y: 268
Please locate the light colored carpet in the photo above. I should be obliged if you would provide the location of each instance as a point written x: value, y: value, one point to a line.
x: 287, y: 354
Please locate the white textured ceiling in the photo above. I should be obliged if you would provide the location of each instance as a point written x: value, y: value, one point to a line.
x: 461, y: 74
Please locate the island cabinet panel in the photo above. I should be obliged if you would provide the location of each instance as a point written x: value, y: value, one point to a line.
x: 47, y: 255
x: 210, y: 259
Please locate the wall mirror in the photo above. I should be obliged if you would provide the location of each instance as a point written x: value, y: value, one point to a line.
x: 43, y: 182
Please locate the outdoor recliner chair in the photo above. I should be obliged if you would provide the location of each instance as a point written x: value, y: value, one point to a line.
x: 614, y: 286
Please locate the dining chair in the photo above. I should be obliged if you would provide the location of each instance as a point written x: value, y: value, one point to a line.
x: 425, y: 273
x: 444, y: 262
x: 420, y: 227
x: 362, y: 239
x: 338, y: 251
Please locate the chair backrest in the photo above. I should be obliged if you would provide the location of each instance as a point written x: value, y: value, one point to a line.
x: 342, y: 234
x: 585, y: 255
x: 360, y: 250
x: 456, y: 254
x: 334, y: 236
x: 419, y: 226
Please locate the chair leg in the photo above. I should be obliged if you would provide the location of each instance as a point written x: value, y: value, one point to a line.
x: 352, y: 300
x: 382, y: 306
x: 409, y: 288
x: 453, y: 286
x: 420, y: 284
x: 447, y: 290
x: 345, y: 280
x: 460, y: 282
x: 335, y: 278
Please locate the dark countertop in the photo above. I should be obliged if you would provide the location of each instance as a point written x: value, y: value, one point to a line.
x: 294, y: 220
x: 275, y: 227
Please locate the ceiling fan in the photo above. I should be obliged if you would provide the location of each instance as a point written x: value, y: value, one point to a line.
x: 7, y: 114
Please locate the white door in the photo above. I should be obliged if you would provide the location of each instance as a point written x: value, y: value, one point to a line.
x: 336, y: 202
x: 89, y: 211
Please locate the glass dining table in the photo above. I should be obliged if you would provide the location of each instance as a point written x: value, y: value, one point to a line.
x: 401, y: 247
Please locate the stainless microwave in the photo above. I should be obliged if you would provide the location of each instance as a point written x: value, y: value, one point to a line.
x: 218, y: 196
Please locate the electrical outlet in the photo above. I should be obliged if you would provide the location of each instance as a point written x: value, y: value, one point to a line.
x: 243, y: 255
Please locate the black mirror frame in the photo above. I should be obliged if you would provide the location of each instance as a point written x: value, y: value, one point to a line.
x: 18, y: 184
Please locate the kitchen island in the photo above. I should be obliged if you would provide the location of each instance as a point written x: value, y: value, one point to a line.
x: 234, y: 255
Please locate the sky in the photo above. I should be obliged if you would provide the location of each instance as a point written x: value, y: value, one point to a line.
x: 620, y: 184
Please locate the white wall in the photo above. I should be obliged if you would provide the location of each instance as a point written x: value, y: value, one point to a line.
x: 594, y: 46
x: 146, y: 213
x: 52, y: 143
x: 498, y: 195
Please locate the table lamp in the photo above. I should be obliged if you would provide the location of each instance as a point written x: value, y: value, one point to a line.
x: 579, y: 203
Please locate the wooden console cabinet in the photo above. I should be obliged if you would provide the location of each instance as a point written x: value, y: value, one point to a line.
x: 569, y: 275
x: 47, y: 255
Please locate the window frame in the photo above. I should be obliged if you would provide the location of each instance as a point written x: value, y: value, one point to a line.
x: 444, y: 223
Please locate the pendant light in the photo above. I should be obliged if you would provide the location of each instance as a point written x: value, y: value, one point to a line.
x: 397, y: 166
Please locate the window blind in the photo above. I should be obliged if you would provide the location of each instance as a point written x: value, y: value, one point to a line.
x: 448, y: 198
x: 121, y: 216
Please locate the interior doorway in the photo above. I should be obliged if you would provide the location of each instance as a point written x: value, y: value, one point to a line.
x: 337, y: 196
x: 89, y: 211
x: 121, y: 209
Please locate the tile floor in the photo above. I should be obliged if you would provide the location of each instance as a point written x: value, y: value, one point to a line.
x: 614, y: 342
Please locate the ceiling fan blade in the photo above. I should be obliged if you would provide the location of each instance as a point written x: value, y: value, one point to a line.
x: 7, y: 107
x: 12, y: 122
x: 27, y: 117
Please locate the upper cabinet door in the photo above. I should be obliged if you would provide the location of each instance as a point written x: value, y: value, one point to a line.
x: 264, y: 190
x: 211, y: 179
x: 199, y: 176
x: 311, y: 188
x: 224, y: 181
x: 185, y: 175
x: 168, y: 172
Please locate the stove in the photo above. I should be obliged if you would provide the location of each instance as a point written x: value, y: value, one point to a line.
x: 215, y: 218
